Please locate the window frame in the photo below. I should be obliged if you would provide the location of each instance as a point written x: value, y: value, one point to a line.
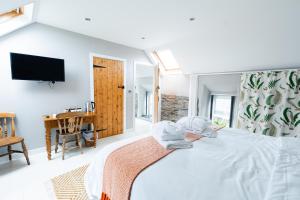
x: 9, y: 15
x: 160, y: 60
x: 16, y: 20
x: 232, y: 103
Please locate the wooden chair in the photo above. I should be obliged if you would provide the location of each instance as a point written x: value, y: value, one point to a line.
x: 69, y: 126
x: 7, y: 140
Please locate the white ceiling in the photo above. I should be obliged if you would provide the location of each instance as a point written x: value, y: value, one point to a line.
x: 123, y: 21
x: 231, y: 35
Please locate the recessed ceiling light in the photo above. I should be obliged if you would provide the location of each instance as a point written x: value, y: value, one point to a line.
x: 192, y: 19
x: 143, y: 38
x: 87, y: 19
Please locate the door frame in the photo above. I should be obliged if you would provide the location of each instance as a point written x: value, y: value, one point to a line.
x: 91, y: 68
x: 134, y: 82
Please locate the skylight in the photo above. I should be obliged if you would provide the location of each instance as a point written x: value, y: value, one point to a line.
x: 16, y: 18
x: 167, y: 59
x: 4, y: 17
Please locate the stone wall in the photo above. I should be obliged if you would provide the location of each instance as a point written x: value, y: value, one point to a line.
x: 173, y: 107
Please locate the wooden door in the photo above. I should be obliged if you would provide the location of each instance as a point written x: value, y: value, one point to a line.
x: 108, y: 96
x: 156, y: 95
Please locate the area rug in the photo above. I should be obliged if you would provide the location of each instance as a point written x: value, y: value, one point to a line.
x: 70, y: 186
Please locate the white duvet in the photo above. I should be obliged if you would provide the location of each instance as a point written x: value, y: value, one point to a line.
x: 235, y: 166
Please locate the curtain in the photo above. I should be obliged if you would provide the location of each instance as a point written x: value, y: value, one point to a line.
x: 270, y: 103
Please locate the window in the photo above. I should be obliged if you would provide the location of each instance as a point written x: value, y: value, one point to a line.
x: 221, y: 110
x: 4, y: 17
x: 167, y: 59
x: 16, y: 18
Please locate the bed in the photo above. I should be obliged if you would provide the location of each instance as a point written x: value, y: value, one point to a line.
x: 236, y: 165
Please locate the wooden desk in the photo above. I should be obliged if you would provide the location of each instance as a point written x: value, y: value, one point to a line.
x: 51, y: 122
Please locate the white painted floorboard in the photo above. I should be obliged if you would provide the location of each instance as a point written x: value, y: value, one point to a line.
x: 18, y: 181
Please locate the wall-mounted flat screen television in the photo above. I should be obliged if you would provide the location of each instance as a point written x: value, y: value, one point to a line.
x: 37, y: 68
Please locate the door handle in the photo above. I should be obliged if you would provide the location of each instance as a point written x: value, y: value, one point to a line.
x: 121, y: 87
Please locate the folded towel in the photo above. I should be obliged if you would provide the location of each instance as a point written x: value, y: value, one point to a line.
x: 172, y: 132
x: 171, y: 137
x: 168, y: 131
x: 179, y: 144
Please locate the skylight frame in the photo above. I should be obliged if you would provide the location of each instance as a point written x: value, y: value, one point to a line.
x: 9, y: 15
x: 18, y: 21
x: 166, y: 59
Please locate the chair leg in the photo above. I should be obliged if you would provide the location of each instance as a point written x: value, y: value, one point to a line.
x: 25, y: 152
x: 63, y: 147
x: 79, y: 142
x: 9, y: 151
x: 56, y: 142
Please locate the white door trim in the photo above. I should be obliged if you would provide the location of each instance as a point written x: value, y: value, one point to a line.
x: 92, y: 80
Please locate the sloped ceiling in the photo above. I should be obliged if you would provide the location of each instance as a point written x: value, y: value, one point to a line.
x: 241, y: 35
x: 231, y: 35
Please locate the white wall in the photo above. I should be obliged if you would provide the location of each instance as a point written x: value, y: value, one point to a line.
x: 31, y: 100
x: 175, y: 84
x: 221, y: 83
x: 203, y: 100
x: 145, y: 82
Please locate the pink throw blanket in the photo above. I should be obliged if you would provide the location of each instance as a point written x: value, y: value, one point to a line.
x: 125, y: 163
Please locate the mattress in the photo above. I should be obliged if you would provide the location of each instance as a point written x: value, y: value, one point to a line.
x: 236, y: 165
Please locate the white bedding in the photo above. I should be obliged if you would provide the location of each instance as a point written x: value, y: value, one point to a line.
x: 285, y: 180
x: 235, y: 166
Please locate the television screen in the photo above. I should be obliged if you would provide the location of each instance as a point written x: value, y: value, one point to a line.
x: 28, y: 67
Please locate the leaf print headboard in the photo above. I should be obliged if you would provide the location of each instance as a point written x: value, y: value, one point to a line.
x: 270, y: 103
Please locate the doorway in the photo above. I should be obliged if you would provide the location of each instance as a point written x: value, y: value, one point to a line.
x: 108, y: 75
x: 144, y: 95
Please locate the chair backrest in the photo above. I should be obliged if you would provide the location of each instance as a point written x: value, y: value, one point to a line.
x: 7, y: 119
x: 70, y: 122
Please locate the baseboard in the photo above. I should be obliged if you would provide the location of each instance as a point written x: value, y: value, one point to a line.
x: 129, y: 130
